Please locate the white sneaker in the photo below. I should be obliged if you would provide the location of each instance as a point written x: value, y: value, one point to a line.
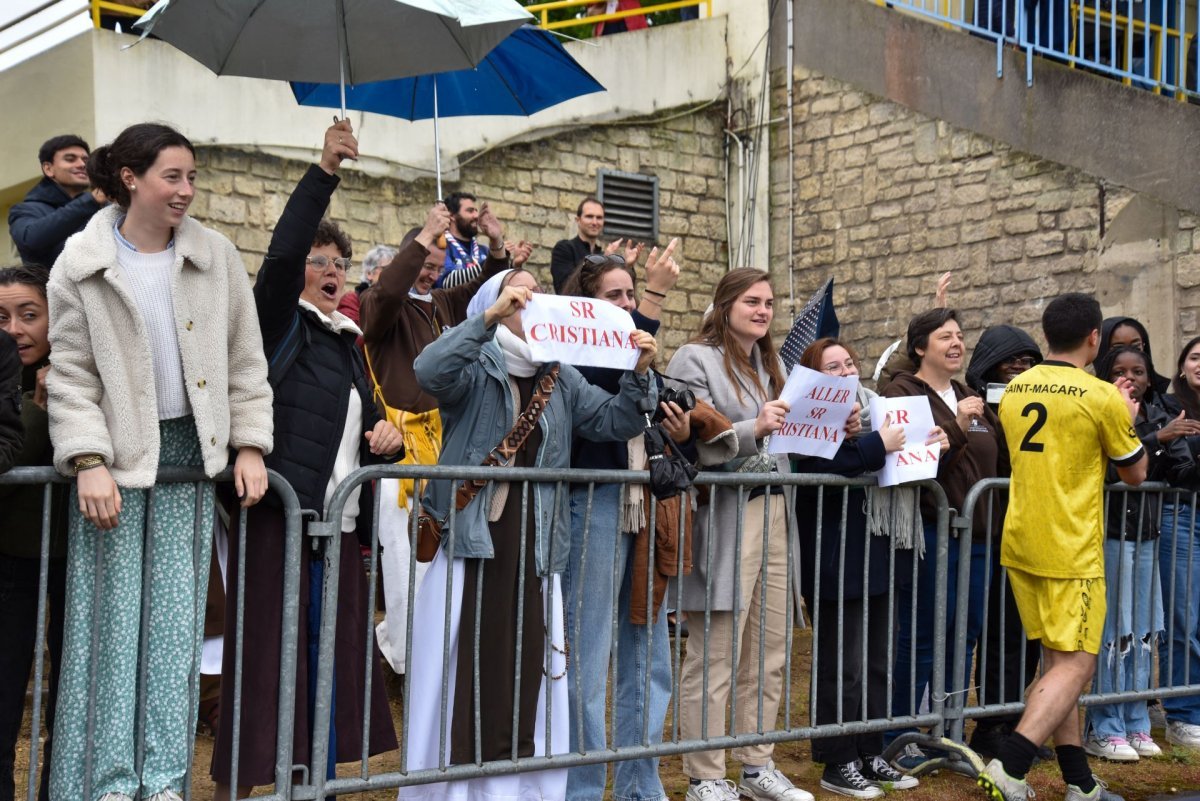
x: 1185, y: 734
x: 1114, y: 749
x: 712, y: 790
x: 1144, y: 744
x: 771, y: 785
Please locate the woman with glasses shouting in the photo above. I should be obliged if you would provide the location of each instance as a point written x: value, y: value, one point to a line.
x: 326, y: 426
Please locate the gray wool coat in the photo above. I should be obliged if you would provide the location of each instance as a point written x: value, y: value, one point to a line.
x: 702, y: 368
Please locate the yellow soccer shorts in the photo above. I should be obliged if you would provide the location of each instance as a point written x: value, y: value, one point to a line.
x: 1065, y: 614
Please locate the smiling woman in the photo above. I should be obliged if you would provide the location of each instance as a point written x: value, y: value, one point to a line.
x: 145, y: 297
x: 972, y: 450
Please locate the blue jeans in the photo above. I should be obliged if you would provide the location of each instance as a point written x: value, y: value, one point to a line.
x: 597, y: 578
x: 907, y: 689
x: 1179, y: 651
x: 1133, y: 620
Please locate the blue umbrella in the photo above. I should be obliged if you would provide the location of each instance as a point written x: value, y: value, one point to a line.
x: 527, y: 72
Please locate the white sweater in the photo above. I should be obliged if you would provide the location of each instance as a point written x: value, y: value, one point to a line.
x: 101, y: 383
x: 149, y: 278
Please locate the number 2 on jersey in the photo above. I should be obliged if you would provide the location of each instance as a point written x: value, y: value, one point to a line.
x: 1039, y: 419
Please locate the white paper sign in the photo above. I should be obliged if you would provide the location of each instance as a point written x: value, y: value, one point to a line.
x: 579, y: 331
x: 820, y: 405
x: 916, y: 460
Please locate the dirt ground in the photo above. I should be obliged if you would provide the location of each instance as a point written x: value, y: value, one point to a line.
x: 1177, y: 771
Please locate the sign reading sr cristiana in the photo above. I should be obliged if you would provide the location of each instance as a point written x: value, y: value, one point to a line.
x: 579, y: 331
x: 816, y: 422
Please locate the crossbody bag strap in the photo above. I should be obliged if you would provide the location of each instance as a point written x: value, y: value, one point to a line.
x: 514, y: 439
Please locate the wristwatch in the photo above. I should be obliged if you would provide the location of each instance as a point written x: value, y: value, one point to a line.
x: 87, y: 462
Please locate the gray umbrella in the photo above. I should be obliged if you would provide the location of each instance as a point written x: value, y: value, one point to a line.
x: 333, y: 41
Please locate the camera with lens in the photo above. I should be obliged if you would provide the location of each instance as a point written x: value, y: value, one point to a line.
x: 685, y: 399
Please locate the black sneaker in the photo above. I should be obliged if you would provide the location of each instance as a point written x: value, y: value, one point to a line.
x: 876, y: 769
x: 845, y: 779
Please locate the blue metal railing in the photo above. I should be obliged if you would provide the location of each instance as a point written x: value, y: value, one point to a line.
x: 1150, y: 44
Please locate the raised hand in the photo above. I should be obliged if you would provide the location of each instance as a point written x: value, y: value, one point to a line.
x: 661, y: 270
x: 489, y: 226
x: 512, y: 300
x: 339, y: 144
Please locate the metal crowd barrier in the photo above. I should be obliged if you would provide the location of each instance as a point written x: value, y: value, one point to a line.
x: 1145, y: 43
x: 48, y: 478
x: 991, y: 690
x: 792, y: 724
x: 953, y: 695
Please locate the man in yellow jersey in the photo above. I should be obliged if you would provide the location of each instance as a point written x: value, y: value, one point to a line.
x: 1063, y: 426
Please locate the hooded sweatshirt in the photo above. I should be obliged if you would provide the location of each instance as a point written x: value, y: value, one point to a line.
x: 1158, y: 383
x: 997, y: 345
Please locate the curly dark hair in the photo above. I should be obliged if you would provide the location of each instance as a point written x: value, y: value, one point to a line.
x: 329, y: 233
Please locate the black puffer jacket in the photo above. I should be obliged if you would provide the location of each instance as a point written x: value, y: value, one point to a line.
x: 12, y: 433
x: 996, y: 345
x: 41, y: 223
x: 1171, y: 462
x: 312, y: 396
x: 1159, y: 383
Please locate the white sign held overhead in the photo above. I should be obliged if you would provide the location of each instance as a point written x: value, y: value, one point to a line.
x: 820, y: 405
x: 916, y: 460
x: 579, y: 331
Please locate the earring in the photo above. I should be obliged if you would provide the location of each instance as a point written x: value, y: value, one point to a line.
x: 131, y: 187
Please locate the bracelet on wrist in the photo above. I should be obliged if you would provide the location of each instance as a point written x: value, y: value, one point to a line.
x: 653, y: 300
x: 654, y: 293
x: 87, y: 462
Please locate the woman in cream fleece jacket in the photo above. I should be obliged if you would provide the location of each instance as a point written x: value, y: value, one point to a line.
x: 157, y: 361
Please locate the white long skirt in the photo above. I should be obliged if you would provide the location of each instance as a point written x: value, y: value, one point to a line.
x: 394, y: 561
x: 426, y: 696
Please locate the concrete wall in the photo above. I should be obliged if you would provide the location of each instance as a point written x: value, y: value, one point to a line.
x: 887, y: 199
x: 99, y: 84
x: 911, y: 158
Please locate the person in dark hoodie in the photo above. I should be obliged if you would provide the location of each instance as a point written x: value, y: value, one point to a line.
x: 25, y: 323
x: 58, y: 205
x: 1002, y: 353
x: 977, y: 451
x: 1117, y: 331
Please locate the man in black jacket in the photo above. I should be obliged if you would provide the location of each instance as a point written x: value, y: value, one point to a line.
x: 59, y: 205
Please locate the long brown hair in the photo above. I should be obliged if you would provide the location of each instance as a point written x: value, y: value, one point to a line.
x: 714, y: 331
x: 1183, y: 390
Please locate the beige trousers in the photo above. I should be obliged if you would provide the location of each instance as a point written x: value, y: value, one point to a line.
x: 748, y: 621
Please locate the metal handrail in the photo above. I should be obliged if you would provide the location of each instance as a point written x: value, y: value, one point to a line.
x: 120, y: 9
x: 542, y: 10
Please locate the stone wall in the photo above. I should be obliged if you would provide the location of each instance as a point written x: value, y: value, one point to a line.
x: 534, y: 188
x: 886, y: 200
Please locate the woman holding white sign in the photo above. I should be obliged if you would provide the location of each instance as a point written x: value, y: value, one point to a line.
x: 502, y: 549
x: 732, y: 364
x: 974, y: 449
x: 600, y: 573
x: 833, y: 550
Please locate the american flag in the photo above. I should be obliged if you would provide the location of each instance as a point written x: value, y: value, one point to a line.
x: 817, y: 319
